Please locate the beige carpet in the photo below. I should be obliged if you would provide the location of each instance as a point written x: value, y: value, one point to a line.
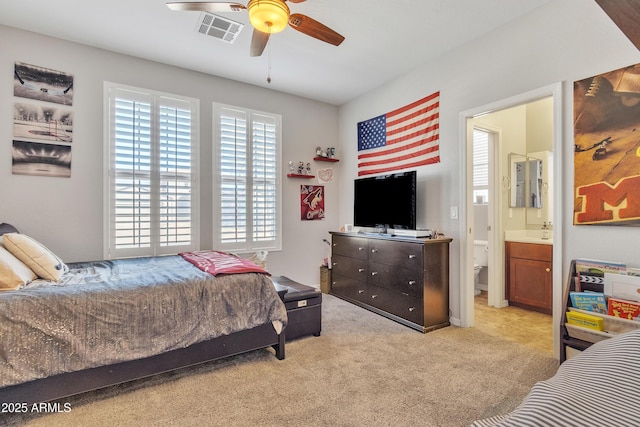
x: 364, y: 370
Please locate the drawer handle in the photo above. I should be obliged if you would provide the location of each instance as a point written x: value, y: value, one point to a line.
x: 333, y: 283
x: 361, y: 249
x: 412, y: 256
x: 374, y: 296
x: 547, y: 269
x: 334, y: 263
x: 412, y: 308
x: 335, y: 244
x: 373, y: 251
x: 360, y: 270
x: 374, y: 273
x: 412, y: 282
x: 360, y: 291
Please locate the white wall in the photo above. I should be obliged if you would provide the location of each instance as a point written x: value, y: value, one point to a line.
x: 66, y: 214
x: 562, y: 41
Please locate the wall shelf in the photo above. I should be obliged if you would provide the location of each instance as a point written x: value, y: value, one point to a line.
x: 325, y: 159
x: 298, y: 175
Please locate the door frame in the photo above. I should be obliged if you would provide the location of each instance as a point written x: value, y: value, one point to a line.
x: 466, y: 193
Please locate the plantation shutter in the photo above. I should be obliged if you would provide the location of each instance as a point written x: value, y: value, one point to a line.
x: 175, y: 175
x: 264, y: 179
x: 480, y: 165
x: 233, y: 179
x: 152, y: 187
x: 248, y: 185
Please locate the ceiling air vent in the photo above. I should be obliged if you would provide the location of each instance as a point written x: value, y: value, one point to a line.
x: 219, y: 27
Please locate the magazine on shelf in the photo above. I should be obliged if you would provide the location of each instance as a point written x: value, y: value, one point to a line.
x: 589, y: 301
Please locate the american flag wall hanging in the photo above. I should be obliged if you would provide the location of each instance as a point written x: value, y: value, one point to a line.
x: 404, y: 138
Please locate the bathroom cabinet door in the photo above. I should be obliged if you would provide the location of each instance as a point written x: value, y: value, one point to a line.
x: 529, y: 278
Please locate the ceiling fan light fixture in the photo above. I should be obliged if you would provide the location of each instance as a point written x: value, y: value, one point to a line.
x: 268, y: 16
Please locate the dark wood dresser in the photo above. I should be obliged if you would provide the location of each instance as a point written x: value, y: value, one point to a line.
x: 404, y: 279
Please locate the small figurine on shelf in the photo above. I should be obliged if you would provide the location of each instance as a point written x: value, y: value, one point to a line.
x: 291, y: 168
x: 308, y: 169
x: 329, y: 152
x: 301, y: 168
x: 332, y: 152
x: 318, y: 152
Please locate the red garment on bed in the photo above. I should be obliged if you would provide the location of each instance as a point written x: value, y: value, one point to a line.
x: 215, y: 262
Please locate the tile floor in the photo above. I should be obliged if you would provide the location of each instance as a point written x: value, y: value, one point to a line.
x: 527, y: 327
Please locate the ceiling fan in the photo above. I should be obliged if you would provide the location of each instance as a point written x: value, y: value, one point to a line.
x: 267, y: 17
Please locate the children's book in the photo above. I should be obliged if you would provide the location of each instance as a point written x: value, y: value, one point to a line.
x: 622, y: 286
x: 591, y: 272
x: 589, y: 301
x: 585, y: 320
x: 624, y: 309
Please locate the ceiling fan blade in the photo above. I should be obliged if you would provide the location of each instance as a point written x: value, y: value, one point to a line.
x: 212, y: 6
x: 625, y: 15
x: 313, y: 28
x: 258, y: 42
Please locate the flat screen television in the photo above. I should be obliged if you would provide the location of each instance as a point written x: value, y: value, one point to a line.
x: 387, y: 201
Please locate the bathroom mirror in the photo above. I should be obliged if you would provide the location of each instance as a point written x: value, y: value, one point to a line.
x: 535, y: 183
x: 518, y: 180
x: 540, y: 180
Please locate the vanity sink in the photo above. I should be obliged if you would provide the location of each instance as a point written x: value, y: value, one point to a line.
x: 528, y: 236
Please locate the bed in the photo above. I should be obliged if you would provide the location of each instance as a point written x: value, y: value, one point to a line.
x: 107, y: 322
x: 599, y: 387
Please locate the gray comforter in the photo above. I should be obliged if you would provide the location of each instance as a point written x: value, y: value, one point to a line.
x: 113, y: 311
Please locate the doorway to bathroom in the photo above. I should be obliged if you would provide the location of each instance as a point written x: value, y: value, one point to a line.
x: 489, y: 212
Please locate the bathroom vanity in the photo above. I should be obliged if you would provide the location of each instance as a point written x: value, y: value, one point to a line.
x: 528, y: 263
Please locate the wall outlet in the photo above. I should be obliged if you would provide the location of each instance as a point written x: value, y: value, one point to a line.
x: 454, y: 212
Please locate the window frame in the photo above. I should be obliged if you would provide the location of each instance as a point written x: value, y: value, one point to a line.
x: 249, y: 245
x: 157, y: 100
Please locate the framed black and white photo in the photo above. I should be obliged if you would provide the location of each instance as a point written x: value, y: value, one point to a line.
x: 42, y: 122
x: 43, y: 84
x: 35, y: 158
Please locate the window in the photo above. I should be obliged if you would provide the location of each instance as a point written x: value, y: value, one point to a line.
x: 247, y: 180
x: 151, y: 173
x: 480, y: 166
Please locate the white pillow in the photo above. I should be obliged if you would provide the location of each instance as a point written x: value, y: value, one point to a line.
x: 35, y: 255
x: 13, y: 273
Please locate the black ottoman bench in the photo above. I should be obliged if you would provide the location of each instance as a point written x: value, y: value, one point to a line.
x: 304, y: 307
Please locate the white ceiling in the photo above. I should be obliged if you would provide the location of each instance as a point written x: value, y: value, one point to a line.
x: 384, y: 39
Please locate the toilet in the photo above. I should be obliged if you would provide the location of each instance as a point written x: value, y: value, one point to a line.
x: 480, y: 261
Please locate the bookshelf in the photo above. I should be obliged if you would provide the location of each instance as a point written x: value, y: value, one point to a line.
x: 575, y: 338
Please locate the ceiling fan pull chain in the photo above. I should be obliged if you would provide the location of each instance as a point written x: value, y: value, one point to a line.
x: 269, y: 58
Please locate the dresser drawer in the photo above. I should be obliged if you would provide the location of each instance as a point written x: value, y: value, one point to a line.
x: 398, y: 254
x: 354, y: 268
x: 400, y: 280
x: 353, y: 247
x: 349, y: 288
x: 403, y: 306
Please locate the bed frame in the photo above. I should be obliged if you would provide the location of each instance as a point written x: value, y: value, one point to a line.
x: 68, y: 384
